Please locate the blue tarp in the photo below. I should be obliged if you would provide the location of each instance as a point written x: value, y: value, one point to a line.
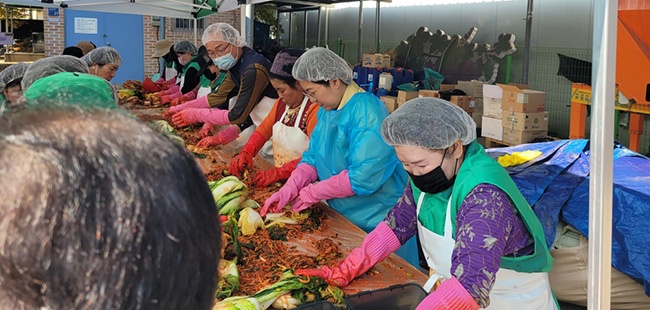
x: 556, y: 185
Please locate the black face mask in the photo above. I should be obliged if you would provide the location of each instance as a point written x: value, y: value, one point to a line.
x: 434, y: 181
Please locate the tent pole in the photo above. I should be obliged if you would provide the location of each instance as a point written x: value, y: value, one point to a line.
x: 529, y: 26
x: 290, y: 29
x: 377, y: 13
x: 319, y: 27
x: 305, y: 29
x: 360, y: 38
x: 601, y: 163
x: 196, y: 32
x: 327, y: 25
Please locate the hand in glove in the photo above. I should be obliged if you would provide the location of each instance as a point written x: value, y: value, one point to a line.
x: 168, y: 98
x: 206, y: 131
x: 376, y: 246
x: 200, y: 103
x: 303, y: 175
x: 449, y: 295
x: 186, y: 97
x: 223, y: 137
x: 190, y: 116
x: 245, y: 158
x: 337, y: 186
x: 267, y: 177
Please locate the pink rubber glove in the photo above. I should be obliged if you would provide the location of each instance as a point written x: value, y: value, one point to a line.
x: 168, y: 98
x: 245, y: 157
x: 337, y: 186
x: 160, y: 80
x: 376, y: 246
x: 200, y: 103
x: 186, y: 97
x: 206, y: 131
x: 449, y: 295
x: 223, y: 137
x: 190, y: 116
x: 301, y: 177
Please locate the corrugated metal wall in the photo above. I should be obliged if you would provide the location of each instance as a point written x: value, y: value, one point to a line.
x: 559, y: 26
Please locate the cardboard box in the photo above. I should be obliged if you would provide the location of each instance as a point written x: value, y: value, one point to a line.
x: 525, y: 121
x: 390, y: 102
x: 404, y: 96
x: 492, y: 107
x: 491, y: 128
x: 516, y: 99
x: 477, y: 116
x: 462, y: 101
x: 471, y: 88
x: 520, y: 137
x: 428, y: 93
x: 492, y: 91
x: 445, y: 87
x: 376, y: 60
x: 476, y: 104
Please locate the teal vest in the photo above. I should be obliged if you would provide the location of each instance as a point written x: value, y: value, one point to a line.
x: 478, y: 168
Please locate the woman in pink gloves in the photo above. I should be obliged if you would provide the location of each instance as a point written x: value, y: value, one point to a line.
x: 189, y: 79
x: 481, y: 239
x: 358, y: 174
x: 289, y: 124
x: 248, y: 81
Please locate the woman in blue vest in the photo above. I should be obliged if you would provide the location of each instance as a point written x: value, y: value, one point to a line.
x: 481, y: 239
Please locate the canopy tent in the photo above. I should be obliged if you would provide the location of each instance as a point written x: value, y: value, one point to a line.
x: 168, y: 8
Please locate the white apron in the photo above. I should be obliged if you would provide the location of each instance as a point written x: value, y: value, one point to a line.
x: 182, y: 81
x: 289, y: 142
x: 258, y: 114
x: 511, y: 290
x: 170, y: 73
x: 203, y: 91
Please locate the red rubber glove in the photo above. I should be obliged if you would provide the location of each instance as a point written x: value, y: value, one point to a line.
x: 265, y: 178
x: 301, y: 177
x: 376, y: 246
x: 245, y: 158
x: 223, y: 137
x: 206, y: 131
x: 337, y: 186
x: 449, y: 295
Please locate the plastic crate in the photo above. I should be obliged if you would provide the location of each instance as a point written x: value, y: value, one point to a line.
x: 396, y: 297
x: 319, y: 305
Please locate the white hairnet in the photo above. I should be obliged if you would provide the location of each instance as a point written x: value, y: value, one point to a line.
x: 12, y: 73
x: 103, y: 56
x: 185, y: 47
x: 224, y: 33
x: 321, y: 64
x: 52, y: 65
x: 430, y: 123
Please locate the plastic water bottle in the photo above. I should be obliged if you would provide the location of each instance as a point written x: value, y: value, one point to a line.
x: 385, y: 81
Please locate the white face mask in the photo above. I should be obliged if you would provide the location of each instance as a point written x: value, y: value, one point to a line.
x: 182, y: 61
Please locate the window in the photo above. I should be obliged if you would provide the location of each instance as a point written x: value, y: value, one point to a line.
x: 184, y: 24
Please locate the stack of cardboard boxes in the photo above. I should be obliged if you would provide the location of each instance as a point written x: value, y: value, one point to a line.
x: 513, y: 114
x: 474, y: 89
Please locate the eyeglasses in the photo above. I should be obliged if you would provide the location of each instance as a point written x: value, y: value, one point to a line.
x: 218, y: 51
x: 312, y: 94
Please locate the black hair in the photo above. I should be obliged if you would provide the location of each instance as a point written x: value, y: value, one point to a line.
x: 101, y: 212
x: 73, y: 51
x: 14, y: 82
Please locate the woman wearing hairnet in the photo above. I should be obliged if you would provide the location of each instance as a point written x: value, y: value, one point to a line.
x: 289, y: 124
x: 103, y: 62
x: 10, y: 79
x: 189, y: 78
x: 210, y: 78
x: 479, y: 235
x: 358, y: 174
x: 248, y: 81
